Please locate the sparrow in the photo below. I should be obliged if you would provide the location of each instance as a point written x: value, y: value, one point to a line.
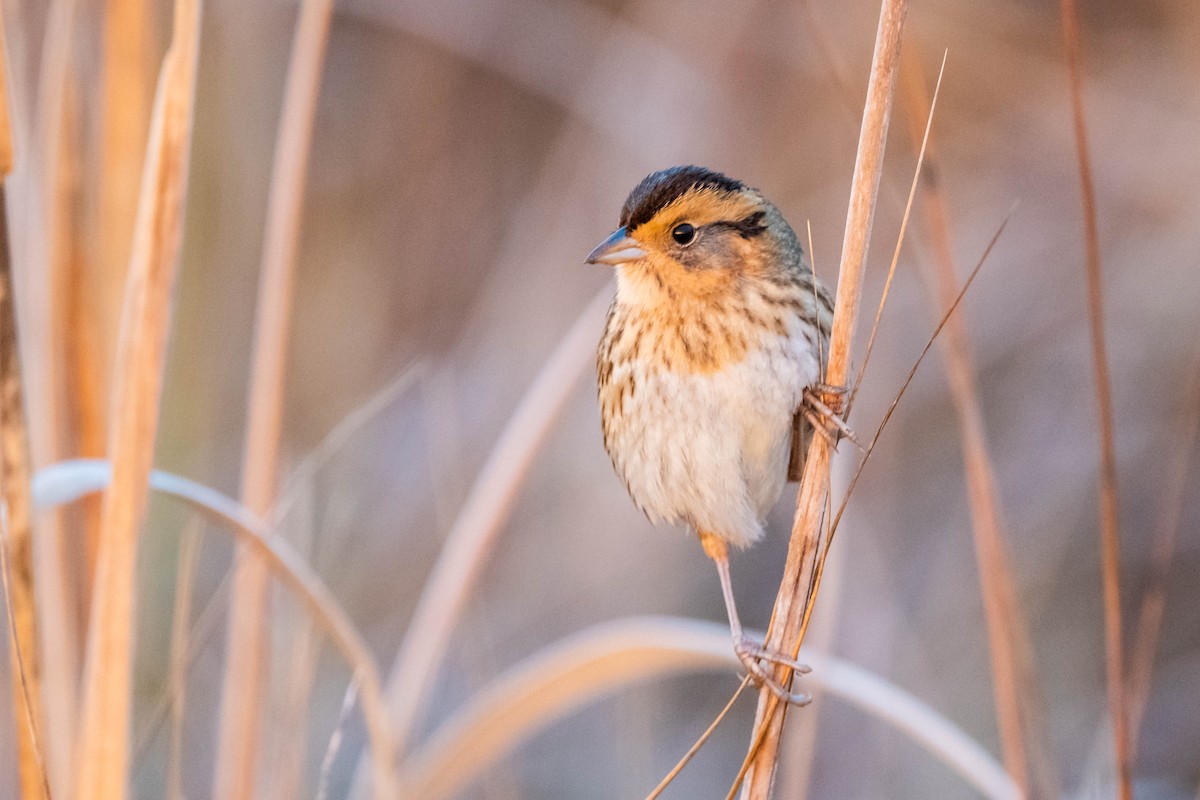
x: 710, y: 367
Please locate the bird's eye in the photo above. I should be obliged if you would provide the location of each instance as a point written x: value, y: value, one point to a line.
x: 684, y: 233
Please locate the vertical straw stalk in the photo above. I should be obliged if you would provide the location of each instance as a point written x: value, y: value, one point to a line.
x: 16, y: 511
x: 806, y: 529
x: 93, y: 296
x: 1110, y: 534
x: 102, y: 751
x: 1162, y: 551
x: 1008, y: 635
x: 246, y: 660
x: 47, y: 248
x: 126, y: 103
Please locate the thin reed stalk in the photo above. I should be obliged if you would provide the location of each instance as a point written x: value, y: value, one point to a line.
x: 1110, y: 534
x: 245, y: 666
x: 470, y: 540
x: 6, y: 133
x: 802, y: 549
x: 181, y: 619
x: 1005, y: 623
x: 47, y: 248
x: 1162, y: 551
x: 127, y: 86
x: 102, y: 748
x: 17, y: 534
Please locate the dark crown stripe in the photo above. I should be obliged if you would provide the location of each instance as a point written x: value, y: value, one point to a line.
x: 659, y: 189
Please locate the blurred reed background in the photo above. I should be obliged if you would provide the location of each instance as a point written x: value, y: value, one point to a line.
x: 464, y: 157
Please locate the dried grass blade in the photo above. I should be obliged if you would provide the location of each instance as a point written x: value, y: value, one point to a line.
x: 69, y: 480
x: 103, y: 733
x: 127, y: 86
x: 908, y: 204
x: 335, y: 741
x: 1007, y: 630
x: 6, y: 136
x: 695, y: 748
x: 245, y: 666
x: 798, y: 572
x: 1162, y: 552
x: 598, y: 661
x: 1110, y: 534
x: 181, y: 617
x: 47, y: 245
x: 16, y: 538
x: 475, y: 530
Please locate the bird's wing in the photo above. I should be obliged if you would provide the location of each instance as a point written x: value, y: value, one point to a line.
x: 801, y: 437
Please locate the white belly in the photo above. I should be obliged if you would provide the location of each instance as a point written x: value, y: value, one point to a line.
x: 711, y: 449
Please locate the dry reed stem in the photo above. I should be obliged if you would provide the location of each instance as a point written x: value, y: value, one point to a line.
x: 200, y: 635
x: 1162, y: 552
x: 292, y: 740
x: 31, y: 765
x: 104, y: 720
x: 335, y: 742
x: 127, y: 86
x: 181, y: 617
x: 793, y: 592
x: 95, y: 288
x: 605, y: 658
x: 1110, y: 534
x: 6, y: 137
x: 47, y: 245
x: 69, y: 480
x: 17, y: 534
x: 657, y: 791
x: 479, y: 522
x: 922, y: 136
x: 819, y: 570
x: 16, y: 537
x: 245, y: 666
x: 1003, y: 618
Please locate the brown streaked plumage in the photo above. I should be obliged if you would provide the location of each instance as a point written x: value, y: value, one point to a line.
x: 712, y: 341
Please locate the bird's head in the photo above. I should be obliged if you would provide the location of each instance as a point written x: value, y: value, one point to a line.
x: 691, y: 232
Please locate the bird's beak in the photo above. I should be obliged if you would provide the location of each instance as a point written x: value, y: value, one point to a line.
x: 617, y: 249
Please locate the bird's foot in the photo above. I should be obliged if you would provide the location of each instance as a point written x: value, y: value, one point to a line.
x: 823, y: 406
x: 752, y: 654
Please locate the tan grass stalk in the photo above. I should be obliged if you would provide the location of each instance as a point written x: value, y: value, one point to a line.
x: 241, y: 695
x: 181, y: 619
x: 1110, y: 533
x: 101, y: 772
x: 93, y: 295
x: 819, y: 571
x: 291, y: 741
x: 6, y: 135
x: 335, y: 742
x: 127, y: 86
x: 485, y: 510
x: 606, y: 658
x: 798, y: 571
x: 210, y: 616
x: 1005, y: 623
x: 657, y: 791
x: 48, y: 245
x: 70, y: 480
x: 16, y: 538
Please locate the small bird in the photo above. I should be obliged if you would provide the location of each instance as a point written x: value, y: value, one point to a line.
x: 710, y: 366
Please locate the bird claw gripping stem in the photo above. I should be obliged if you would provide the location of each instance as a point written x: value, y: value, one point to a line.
x: 751, y: 653
x: 823, y: 406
